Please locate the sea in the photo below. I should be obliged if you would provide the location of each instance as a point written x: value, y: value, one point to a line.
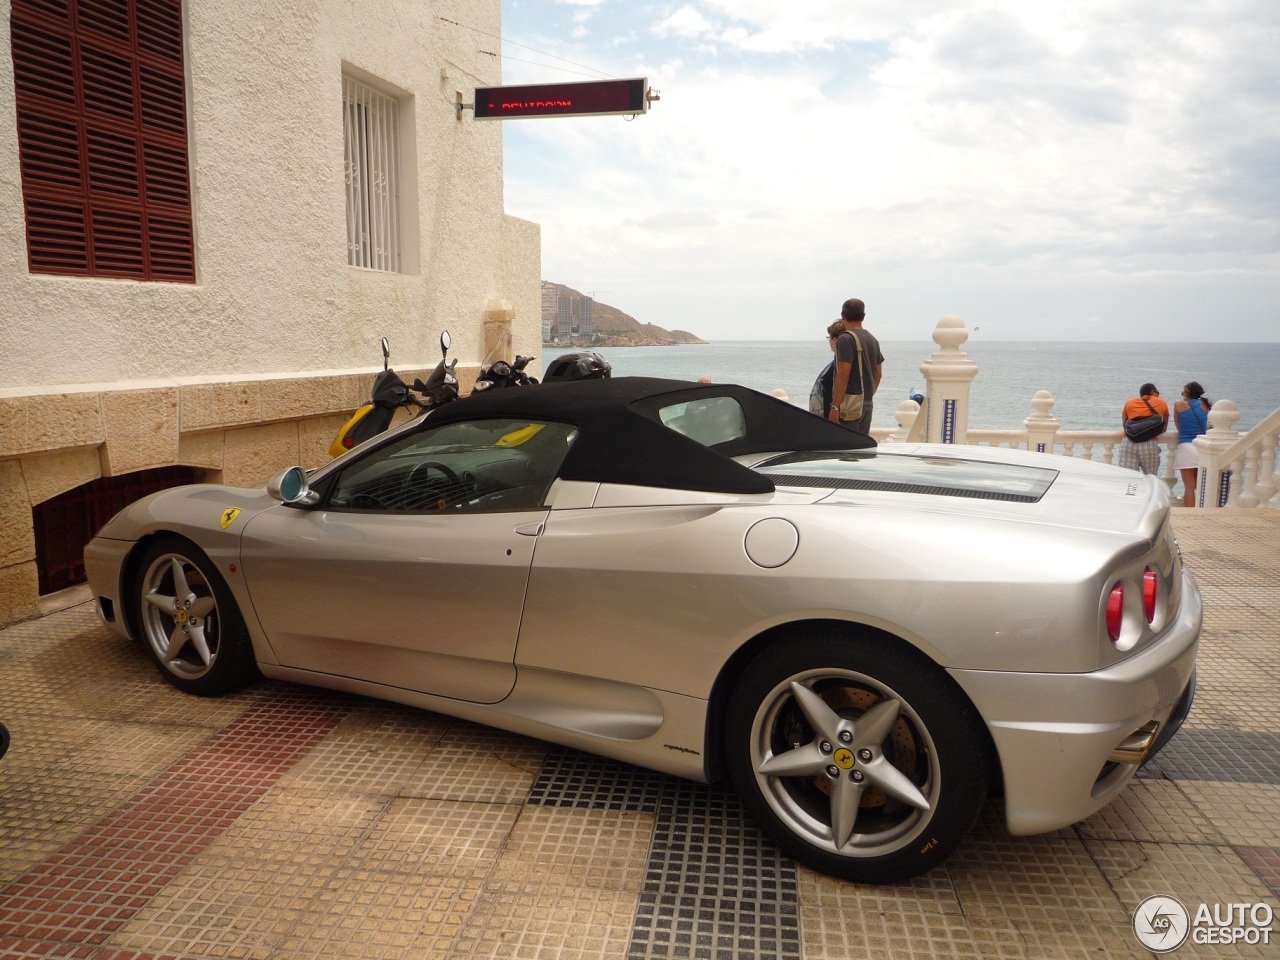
x: 1089, y: 381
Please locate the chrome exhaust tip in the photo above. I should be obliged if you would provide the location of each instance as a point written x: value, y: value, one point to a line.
x: 1134, y: 747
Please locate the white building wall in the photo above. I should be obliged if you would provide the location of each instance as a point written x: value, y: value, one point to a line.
x: 256, y: 365
x: 274, y: 292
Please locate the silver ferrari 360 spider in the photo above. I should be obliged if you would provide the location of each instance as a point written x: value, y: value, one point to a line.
x: 706, y: 581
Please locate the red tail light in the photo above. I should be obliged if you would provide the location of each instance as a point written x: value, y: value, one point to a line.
x: 1115, y: 612
x: 1149, y: 584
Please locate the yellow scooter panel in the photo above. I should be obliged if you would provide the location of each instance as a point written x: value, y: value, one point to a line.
x: 344, y: 441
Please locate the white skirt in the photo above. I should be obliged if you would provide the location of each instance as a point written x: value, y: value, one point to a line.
x: 1186, y: 457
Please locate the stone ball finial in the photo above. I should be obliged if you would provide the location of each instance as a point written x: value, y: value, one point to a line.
x: 1223, y: 418
x: 950, y: 333
x: 1042, y: 419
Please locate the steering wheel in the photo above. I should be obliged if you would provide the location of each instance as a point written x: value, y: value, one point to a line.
x: 418, y: 488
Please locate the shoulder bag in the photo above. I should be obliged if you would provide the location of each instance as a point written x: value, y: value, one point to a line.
x: 1142, y: 429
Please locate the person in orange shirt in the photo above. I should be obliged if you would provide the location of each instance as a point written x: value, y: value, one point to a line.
x: 1143, y: 456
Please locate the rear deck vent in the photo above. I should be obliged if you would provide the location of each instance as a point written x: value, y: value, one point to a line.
x: 789, y: 480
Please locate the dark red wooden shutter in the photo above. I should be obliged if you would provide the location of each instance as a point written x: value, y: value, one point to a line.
x: 102, y: 134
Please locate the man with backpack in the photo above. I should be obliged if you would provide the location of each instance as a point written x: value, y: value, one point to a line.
x: 1142, y: 454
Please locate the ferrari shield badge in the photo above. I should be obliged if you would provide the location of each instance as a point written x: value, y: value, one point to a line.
x: 229, y: 516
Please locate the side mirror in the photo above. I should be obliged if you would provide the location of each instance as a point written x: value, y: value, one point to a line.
x: 445, y: 342
x: 290, y: 486
x: 386, y: 353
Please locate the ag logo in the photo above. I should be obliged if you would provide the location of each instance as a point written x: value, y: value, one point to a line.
x: 843, y: 758
x: 229, y: 516
x: 1161, y: 924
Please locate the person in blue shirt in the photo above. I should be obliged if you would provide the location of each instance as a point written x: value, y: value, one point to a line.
x: 820, y: 395
x: 1192, y: 415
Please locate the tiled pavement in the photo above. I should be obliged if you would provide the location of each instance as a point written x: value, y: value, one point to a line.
x: 284, y: 822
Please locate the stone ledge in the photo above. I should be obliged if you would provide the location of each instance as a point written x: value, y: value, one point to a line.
x: 151, y: 426
x: 50, y: 422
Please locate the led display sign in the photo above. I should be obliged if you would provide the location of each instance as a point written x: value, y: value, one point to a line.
x: 591, y: 98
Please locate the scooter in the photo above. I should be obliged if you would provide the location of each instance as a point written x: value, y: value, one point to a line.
x: 390, y: 394
x: 502, y: 374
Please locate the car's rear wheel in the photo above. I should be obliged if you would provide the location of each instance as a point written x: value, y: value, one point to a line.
x: 860, y: 757
x: 190, y: 621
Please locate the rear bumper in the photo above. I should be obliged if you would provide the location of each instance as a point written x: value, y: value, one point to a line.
x: 1055, y: 733
x: 1180, y: 712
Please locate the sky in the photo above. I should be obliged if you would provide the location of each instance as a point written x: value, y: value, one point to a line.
x: 1048, y: 170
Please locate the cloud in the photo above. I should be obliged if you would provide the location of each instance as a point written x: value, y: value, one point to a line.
x: 973, y: 145
x: 685, y: 22
x: 673, y: 220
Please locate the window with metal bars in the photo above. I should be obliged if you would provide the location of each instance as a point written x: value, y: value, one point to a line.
x: 102, y: 136
x: 371, y: 135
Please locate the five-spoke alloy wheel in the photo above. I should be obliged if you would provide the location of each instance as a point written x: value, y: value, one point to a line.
x: 860, y: 757
x: 190, y: 621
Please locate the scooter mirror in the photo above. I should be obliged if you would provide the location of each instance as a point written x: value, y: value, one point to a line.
x: 386, y: 353
x: 445, y: 342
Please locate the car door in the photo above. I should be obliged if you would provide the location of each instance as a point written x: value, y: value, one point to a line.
x: 412, y: 571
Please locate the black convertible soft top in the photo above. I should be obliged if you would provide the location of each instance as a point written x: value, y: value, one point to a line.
x: 622, y: 437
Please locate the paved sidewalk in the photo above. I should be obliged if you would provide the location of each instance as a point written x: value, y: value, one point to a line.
x: 286, y: 822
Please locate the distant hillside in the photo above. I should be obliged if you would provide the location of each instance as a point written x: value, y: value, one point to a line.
x: 613, y: 328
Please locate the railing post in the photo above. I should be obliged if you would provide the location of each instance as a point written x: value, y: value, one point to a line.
x: 948, y: 374
x: 1267, y: 475
x: 1169, y: 443
x: 1042, y: 426
x: 1215, y: 485
x: 908, y: 410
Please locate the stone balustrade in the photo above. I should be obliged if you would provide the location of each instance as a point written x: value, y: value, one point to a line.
x: 1236, y: 470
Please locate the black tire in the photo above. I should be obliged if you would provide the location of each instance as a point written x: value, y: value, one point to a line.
x: 896, y: 755
x: 189, y: 620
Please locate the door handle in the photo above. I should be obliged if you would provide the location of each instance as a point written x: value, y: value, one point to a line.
x: 530, y: 529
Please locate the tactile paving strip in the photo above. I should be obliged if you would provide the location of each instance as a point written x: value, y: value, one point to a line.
x: 1217, y: 755
x: 1265, y: 862
x: 99, y: 880
x: 714, y: 887
x: 572, y: 779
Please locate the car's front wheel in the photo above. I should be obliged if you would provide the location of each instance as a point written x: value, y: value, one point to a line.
x: 859, y: 756
x: 190, y: 621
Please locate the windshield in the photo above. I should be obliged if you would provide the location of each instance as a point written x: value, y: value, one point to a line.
x: 940, y: 476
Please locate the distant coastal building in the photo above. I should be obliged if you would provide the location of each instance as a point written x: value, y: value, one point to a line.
x: 565, y: 317
x: 550, y: 309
